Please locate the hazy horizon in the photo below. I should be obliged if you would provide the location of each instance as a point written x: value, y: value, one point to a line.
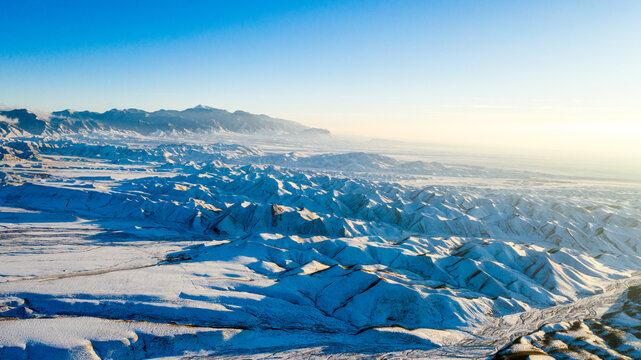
x: 563, y: 79
x: 575, y: 162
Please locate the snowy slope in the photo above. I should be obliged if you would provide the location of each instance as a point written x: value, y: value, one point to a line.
x: 288, y: 250
x: 614, y: 335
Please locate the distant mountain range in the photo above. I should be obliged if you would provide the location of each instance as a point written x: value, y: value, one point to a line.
x: 194, y: 120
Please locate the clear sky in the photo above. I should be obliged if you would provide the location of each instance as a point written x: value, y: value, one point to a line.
x: 560, y: 75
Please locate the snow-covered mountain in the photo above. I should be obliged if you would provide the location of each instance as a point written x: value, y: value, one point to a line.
x: 20, y: 122
x: 156, y: 248
x: 194, y: 120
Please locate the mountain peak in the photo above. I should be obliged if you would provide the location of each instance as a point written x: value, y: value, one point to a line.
x: 201, y: 107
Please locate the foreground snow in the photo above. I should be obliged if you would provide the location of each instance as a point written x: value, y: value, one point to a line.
x: 614, y: 335
x: 162, y: 249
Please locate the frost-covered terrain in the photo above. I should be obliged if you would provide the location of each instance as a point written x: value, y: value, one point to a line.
x: 615, y: 335
x: 133, y: 244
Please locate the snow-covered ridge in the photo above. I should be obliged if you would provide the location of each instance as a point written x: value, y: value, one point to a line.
x: 314, y: 248
x: 615, y: 335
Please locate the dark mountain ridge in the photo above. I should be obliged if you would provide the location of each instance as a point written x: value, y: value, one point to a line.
x: 197, y: 119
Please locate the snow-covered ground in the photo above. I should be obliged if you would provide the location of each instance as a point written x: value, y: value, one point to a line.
x: 615, y: 334
x: 247, y: 247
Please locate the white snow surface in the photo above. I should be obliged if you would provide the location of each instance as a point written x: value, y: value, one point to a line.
x: 155, y: 248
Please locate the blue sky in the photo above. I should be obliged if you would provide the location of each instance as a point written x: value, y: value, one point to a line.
x: 547, y: 74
